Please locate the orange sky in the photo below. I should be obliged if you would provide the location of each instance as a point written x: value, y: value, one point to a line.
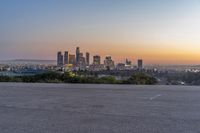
x: 159, y: 32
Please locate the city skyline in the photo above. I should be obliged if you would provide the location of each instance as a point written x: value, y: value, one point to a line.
x: 81, y: 61
x: 159, y: 32
x: 64, y: 56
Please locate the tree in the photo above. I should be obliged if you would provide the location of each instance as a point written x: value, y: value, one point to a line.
x: 141, y: 79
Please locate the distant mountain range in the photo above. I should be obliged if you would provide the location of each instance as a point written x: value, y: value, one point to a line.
x: 29, y: 61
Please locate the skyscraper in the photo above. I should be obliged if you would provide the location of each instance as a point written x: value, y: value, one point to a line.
x: 140, y: 64
x: 82, y: 63
x: 72, y: 59
x: 66, y: 57
x: 87, y: 59
x: 96, y: 60
x: 127, y: 63
x: 80, y: 55
x: 109, y: 63
x: 77, y: 54
x: 59, y: 59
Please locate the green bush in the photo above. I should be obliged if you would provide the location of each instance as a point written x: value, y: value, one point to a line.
x: 69, y: 77
x: 141, y: 79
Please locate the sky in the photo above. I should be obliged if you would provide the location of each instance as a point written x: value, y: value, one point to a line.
x: 157, y: 31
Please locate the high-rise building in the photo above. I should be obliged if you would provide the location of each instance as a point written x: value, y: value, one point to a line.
x: 59, y: 59
x: 66, y: 57
x: 80, y: 55
x: 81, y: 64
x: 128, y: 62
x: 120, y: 66
x: 140, y: 64
x: 96, y: 60
x: 87, y: 59
x: 77, y: 54
x: 109, y: 63
x: 72, y: 59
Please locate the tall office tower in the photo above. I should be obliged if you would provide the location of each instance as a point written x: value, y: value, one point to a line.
x: 66, y: 57
x: 140, y: 64
x: 87, y: 59
x: 59, y: 59
x: 79, y: 58
x: 81, y: 64
x: 72, y: 59
x: 80, y: 55
x: 109, y: 63
x: 128, y: 63
x: 77, y: 54
x: 96, y: 60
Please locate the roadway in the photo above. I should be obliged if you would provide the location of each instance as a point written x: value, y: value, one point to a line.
x: 77, y: 108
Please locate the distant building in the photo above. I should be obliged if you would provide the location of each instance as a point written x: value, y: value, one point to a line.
x: 69, y: 67
x: 66, y: 57
x: 140, y: 64
x: 80, y: 55
x: 59, y: 59
x: 128, y: 63
x: 120, y: 66
x: 77, y: 54
x: 81, y: 62
x: 109, y: 63
x: 96, y: 60
x: 87, y: 59
x: 72, y: 59
x: 94, y: 67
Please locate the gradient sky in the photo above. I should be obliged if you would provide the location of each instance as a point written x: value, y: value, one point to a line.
x: 159, y: 31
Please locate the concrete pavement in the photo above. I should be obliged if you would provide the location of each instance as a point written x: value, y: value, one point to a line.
x: 77, y: 108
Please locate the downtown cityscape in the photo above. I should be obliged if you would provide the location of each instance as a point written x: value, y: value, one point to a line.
x: 78, y: 61
x: 84, y: 65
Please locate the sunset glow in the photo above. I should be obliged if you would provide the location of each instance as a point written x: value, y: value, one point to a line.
x: 159, y: 32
